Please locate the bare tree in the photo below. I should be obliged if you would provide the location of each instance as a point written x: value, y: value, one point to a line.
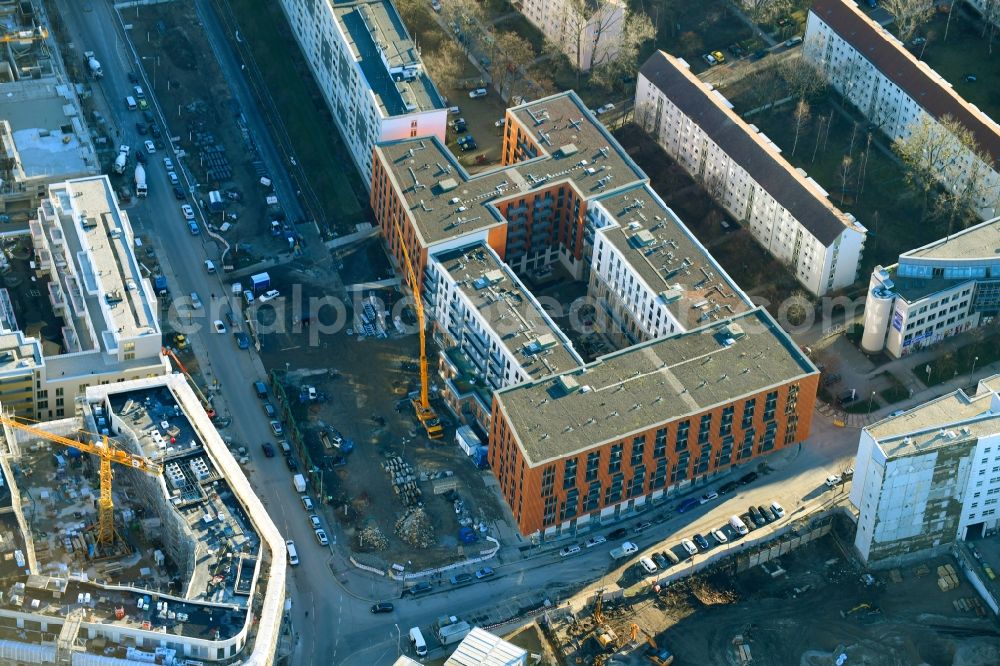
x: 446, y: 65
x: 589, y: 32
x: 803, y: 79
x: 909, y: 15
x: 637, y: 30
x: 513, y: 53
x: 802, y: 116
x: 967, y: 179
x: 845, y: 171
x: 928, y: 148
x: 691, y: 42
x: 764, y: 11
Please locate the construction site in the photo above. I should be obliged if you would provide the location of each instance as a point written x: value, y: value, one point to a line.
x: 813, y: 605
x: 174, y: 548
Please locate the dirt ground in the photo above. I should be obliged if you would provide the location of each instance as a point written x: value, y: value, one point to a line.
x: 757, y: 273
x: 796, y: 616
x: 195, y: 99
x: 365, y: 380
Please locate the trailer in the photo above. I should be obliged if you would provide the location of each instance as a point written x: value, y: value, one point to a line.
x: 260, y: 282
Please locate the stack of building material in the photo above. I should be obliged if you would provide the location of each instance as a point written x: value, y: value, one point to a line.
x: 404, y: 482
x: 947, y: 577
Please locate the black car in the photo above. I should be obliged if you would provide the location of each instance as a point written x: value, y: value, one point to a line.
x: 767, y: 513
x: 141, y: 129
x: 154, y: 129
x: 618, y: 533
x: 291, y: 463
x: 269, y: 410
x: 760, y: 54
x: 749, y: 477
x: 140, y: 157
x: 382, y: 607
x: 419, y: 588
x: 729, y: 487
x: 756, y: 516
x: 736, y: 50
x: 701, y: 542
x: 179, y: 193
x: 132, y: 78
x: 268, y: 450
x: 661, y: 560
x: 148, y: 115
x: 749, y: 522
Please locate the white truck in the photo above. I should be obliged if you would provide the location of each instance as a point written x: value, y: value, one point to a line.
x: 450, y: 629
x: 624, y: 550
x: 93, y: 65
x: 121, y: 160
x: 299, y: 481
x: 140, y: 181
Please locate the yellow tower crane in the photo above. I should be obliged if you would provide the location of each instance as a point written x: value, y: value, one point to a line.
x: 422, y: 406
x: 107, y: 454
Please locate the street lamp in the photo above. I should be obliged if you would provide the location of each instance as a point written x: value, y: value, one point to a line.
x: 870, y: 401
x: 156, y: 63
x: 973, y: 373
x: 397, y: 640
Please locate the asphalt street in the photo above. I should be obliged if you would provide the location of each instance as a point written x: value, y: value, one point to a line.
x: 339, y: 629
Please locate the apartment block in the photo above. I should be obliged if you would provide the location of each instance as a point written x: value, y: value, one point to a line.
x: 787, y: 212
x: 587, y: 31
x: 930, y: 477
x: 894, y: 90
x: 567, y: 197
x: 88, y: 283
x: 369, y: 71
x: 934, y: 292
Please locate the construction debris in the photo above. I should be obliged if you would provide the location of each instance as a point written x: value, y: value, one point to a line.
x: 947, y: 577
x: 372, y: 538
x: 416, y: 529
x: 404, y: 481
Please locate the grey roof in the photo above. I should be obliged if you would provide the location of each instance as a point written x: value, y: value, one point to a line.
x: 446, y: 201
x: 955, y: 419
x: 670, y: 259
x: 640, y: 387
x: 977, y: 243
x: 734, y: 136
x: 510, y: 310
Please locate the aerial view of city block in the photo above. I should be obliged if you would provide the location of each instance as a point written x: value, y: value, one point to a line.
x: 499, y: 332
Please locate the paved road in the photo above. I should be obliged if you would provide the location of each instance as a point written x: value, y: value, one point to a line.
x: 339, y: 628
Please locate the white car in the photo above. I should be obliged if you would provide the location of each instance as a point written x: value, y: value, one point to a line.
x: 306, y: 502
x: 607, y: 107
x: 833, y: 480
x: 708, y: 497
x: 168, y: 163
x: 595, y: 541
x: 188, y: 211
x: 710, y: 59
x: 569, y: 550
x: 150, y: 146
x: 689, y: 546
x: 195, y: 301
x: 779, y: 511
x: 314, y: 521
x: 269, y: 295
x: 219, y: 326
x: 277, y: 429
x: 321, y: 537
x: 720, y: 536
x: 478, y: 92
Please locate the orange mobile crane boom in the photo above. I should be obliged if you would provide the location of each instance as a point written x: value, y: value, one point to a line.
x: 35, y: 34
x: 107, y: 454
x: 201, y: 396
x: 425, y: 414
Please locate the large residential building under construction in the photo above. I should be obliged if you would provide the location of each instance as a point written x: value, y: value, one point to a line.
x: 606, y: 353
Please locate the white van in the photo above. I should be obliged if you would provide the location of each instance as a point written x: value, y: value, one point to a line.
x: 209, y: 266
x: 417, y: 638
x: 130, y: 103
x: 737, y: 524
x: 648, y: 565
x: 293, y: 557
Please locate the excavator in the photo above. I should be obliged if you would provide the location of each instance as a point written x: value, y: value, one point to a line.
x: 421, y: 405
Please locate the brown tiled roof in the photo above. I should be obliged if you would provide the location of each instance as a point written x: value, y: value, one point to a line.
x: 738, y: 140
x: 894, y: 61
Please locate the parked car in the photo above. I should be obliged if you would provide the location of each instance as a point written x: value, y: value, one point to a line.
x: 187, y: 211
x: 478, y: 92
x: 195, y: 301
x: 569, y: 550
x: 269, y: 410
x: 794, y: 41
x: 291, y: 463
x: 709, y: 496
x: 194, y: 228
x: 242, y: 340
x: 689, y: 546
x: 759, y: 54
x: 219, y: 326
x: 268, y: 450
x: 661, y: 561
x: 748, y: 521
x: 719, y: 57
x: 720, y: 536
x: 277, y: 429
x: 728, y: 487
x: 701, y: 542
x: 710, y: 59
x: 322, y: 538
x: 833, y: 480
x: 168, y: 163
x: 642, y: 527
x: 777, y: 509
x: 459, y: 579
x: 748, y: 478
x: 382, y: 607
x: 306, y: 502
x: 617, y: 533
x: 150, y: 146
x: 485, y: 572
x: 179, y: 193
x: 269, y: 295
x: 766, y: 512
x: 605, y: 108
x: 141, y: 129
x: 594, y: 541
x: 314, y: 522
x: 688, y: 504
x: 736, y: 50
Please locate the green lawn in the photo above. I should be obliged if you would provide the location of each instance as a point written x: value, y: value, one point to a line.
x: 314, y: 136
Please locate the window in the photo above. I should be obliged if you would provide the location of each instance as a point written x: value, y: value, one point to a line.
x: 569, y: 473
x: 593, y: 465
x: 615, y: 464
x: 638, y: 446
